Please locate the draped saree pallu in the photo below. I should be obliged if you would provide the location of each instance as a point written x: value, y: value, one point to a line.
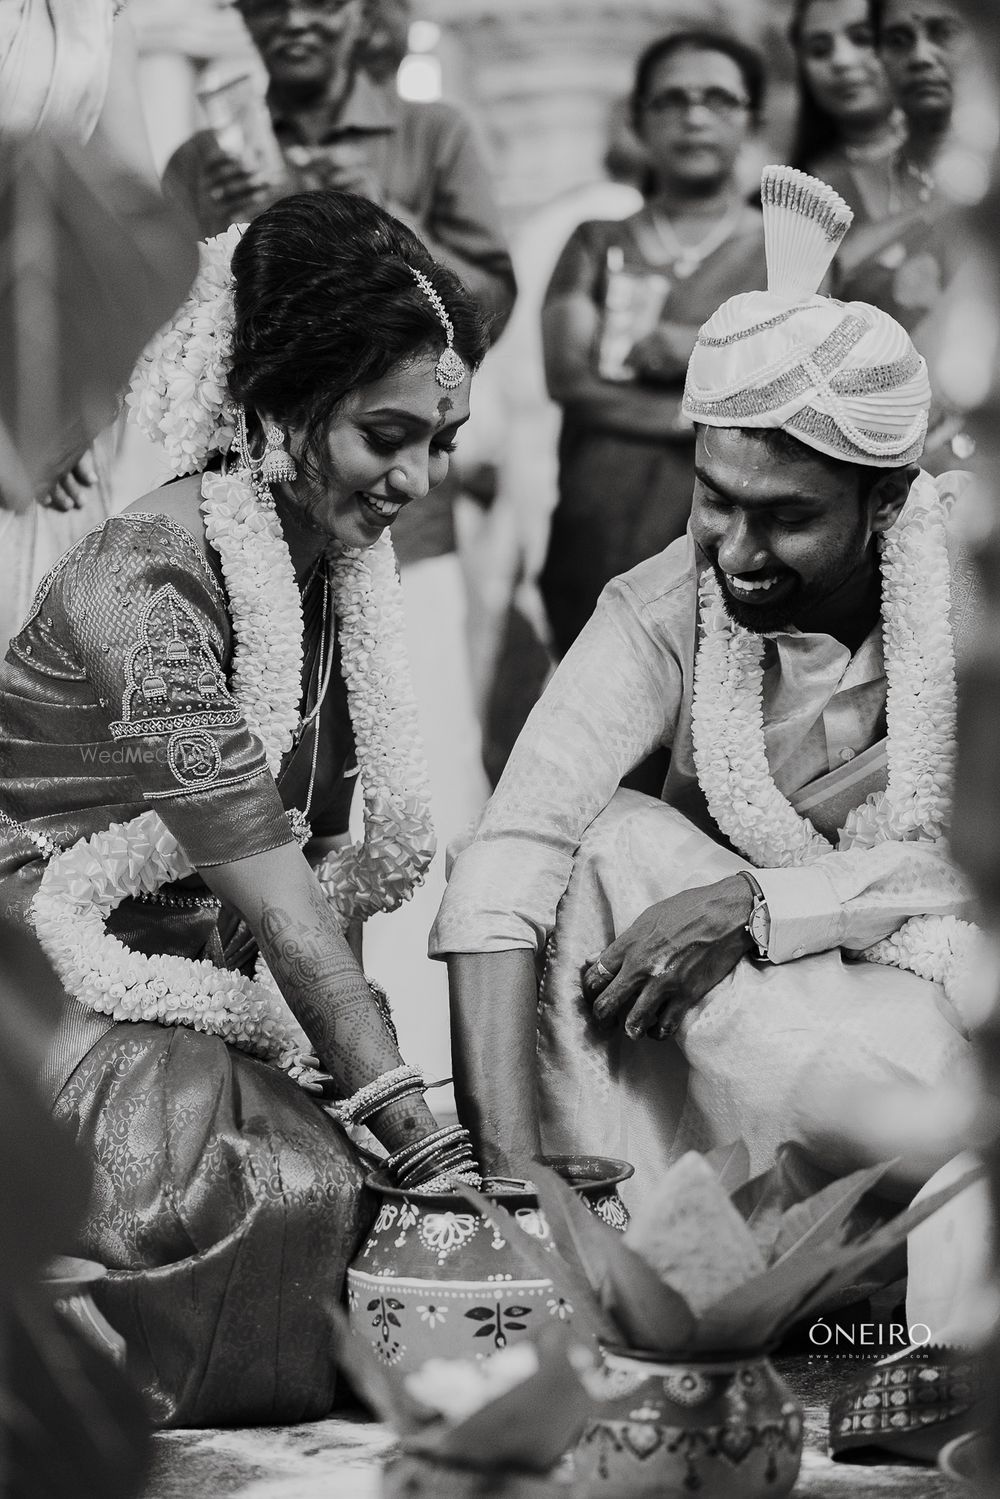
x: 225, y: 1204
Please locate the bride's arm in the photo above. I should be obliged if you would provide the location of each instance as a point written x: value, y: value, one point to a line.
x: 280, y: 898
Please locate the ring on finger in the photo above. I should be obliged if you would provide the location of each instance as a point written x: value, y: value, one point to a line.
x: 604, y: 972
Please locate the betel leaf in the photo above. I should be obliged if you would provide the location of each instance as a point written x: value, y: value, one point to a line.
x: 567, y: 1279
x: 824, y: 1215
x: 731, y: 1164
x: 647, y: 1313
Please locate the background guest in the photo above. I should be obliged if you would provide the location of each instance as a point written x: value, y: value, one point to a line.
x: 923, y: 45
x: 336, y: 128
x: 906, y: 255
x: 71, y: 127
x: 622, y: 312
x: 849, y: 125
x: 383, y: 46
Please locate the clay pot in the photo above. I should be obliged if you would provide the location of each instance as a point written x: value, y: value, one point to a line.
x: 435, y: 1280
x: 714, y: 1429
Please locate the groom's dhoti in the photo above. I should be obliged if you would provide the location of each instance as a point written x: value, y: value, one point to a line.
x: 762, y: 1056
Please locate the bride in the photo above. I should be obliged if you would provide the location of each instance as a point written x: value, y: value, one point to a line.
x: 181, y: 719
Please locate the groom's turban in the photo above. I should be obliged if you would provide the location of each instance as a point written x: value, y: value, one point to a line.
x: 843, y: 377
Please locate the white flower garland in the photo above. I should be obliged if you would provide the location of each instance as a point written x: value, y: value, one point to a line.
x: 381, y: 872
x: 81, y: 886
x: 264, y: 599
x: 727, y: 726
x: 177, y: 395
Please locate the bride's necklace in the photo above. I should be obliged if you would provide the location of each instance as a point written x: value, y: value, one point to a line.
x: 684, y: 259
x: 299, y: 817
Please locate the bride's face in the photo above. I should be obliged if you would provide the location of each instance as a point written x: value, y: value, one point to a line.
x: 387, y: 446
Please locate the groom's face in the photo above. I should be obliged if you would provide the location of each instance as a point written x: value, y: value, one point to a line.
x: 784, y: 531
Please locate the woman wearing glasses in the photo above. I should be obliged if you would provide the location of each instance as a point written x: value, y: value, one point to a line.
x: 622, y: 312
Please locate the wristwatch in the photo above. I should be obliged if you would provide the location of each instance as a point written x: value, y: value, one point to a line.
x: 759, y: 922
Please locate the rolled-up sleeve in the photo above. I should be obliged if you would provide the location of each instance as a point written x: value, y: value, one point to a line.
x: 611, y: 702
x: 150, y: 628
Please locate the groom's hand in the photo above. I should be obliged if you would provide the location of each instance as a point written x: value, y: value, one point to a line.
x: 670, y: 957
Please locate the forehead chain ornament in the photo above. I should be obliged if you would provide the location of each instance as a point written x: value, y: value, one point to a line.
x: 450, y: 370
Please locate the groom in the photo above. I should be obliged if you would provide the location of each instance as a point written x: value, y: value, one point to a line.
x: 760, y: 649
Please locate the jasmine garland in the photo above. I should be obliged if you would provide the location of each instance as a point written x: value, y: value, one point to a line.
x: 82, y: 885
x: 730, y: 754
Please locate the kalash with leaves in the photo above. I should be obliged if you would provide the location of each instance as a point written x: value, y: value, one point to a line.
x: 662, y: 1384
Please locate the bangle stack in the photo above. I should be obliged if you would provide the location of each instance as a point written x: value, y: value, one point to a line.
x: 436, y: 1161
x: 401, y: 1082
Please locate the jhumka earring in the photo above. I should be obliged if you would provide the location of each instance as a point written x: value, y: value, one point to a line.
x: 279, y: 466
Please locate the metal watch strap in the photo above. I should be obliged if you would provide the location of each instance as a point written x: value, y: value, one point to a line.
x: 759, y: 904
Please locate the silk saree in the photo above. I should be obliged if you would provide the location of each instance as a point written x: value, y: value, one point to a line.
x: 225, y: 1204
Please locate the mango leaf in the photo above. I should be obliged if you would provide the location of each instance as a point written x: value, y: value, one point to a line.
x: 793, y: 1177
x: 528, y: 1428
x: 851, y: 1260
x: 746, y: 1319
x: 589, y: 1318
x: 824, y: 1215
x: 731, y: 1164
x: 759, y: 1312
x: 647, y: 1313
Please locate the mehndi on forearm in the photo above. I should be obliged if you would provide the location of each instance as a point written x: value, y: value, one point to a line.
x: 329, y: 995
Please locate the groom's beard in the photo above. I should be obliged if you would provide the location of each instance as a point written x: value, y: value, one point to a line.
x: 800, y: 600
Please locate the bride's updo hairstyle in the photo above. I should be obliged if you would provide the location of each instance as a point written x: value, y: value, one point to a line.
x: 326, y: 302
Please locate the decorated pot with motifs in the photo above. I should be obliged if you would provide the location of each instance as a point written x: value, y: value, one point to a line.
x: 714, y: 1428
x: 435, y: 1280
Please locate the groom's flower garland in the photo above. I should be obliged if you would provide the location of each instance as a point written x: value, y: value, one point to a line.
x: 83, y: 885
x: 728, y: 734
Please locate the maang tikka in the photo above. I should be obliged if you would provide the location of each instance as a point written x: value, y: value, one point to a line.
x: 450, y: 370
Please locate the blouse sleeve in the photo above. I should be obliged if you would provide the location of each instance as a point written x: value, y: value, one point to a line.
x: 149, y: 626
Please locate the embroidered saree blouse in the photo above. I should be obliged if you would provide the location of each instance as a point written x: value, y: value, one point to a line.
x: 624, y: 690
x: 115, y: 697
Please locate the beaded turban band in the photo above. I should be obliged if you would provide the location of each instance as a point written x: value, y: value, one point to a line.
x: 842, y: 377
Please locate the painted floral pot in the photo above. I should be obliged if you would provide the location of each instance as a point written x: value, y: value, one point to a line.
x: 714, y: 1429
x: 434, y: 1279
x: 412, y: 1477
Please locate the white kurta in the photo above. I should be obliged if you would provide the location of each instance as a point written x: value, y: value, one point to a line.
x: 561, y: 864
